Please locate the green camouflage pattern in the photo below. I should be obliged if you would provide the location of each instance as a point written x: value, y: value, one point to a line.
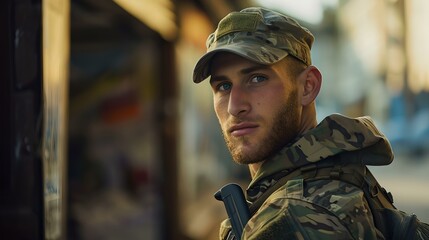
x: 320, y: 209
x: 323, y: 209
x: 258, y: 34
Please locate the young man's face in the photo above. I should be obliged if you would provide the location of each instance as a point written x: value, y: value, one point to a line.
x: 257, y: 106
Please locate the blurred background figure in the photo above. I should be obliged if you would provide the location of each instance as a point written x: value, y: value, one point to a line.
x: 106, y: 136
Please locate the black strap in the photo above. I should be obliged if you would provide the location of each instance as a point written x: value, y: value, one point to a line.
x: 230, y: 235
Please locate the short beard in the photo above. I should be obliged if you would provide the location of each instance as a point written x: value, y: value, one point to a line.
x: 285, y: 129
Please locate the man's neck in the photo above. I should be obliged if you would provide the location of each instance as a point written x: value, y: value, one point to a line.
x: 254, y: 168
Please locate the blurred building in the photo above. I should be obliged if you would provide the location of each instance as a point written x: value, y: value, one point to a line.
x: 105, y: 136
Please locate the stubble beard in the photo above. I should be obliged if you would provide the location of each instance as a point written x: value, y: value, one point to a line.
x: 284, y: 129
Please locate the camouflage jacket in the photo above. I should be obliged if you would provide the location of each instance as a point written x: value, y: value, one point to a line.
x: 320, y: 209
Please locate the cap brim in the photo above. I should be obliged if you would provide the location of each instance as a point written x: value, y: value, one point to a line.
x: 266, y: 55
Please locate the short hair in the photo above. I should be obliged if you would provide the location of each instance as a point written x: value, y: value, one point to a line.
x: 294, y: 66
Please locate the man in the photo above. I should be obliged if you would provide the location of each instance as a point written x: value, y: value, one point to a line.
x: 264, y: 91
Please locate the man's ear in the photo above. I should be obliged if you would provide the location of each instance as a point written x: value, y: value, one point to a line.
x: 312, y: 81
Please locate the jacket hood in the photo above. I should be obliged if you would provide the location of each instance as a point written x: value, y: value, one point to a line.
x: 334, y: 135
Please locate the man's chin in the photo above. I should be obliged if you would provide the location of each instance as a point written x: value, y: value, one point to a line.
x: 245, y: 157
x: 246, y: 161
x: 244, y: 151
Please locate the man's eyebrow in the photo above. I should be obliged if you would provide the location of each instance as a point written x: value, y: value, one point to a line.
x: 215, y: 78
x: 254, y: 68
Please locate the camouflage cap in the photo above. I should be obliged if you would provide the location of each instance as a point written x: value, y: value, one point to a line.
x: 258, y: 34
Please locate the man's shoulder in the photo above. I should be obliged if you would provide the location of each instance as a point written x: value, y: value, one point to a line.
x: 323, y: 192
x: 322, y: 208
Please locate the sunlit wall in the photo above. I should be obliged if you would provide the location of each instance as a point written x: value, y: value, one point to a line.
x: 417, y: 39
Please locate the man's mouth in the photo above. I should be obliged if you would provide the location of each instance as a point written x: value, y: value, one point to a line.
x: 242, y: 129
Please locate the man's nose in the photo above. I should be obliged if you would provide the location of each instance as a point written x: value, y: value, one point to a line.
x: 239, y: 103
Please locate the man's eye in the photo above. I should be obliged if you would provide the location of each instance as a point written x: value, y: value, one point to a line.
x: 257, y: 79
x: 224, y: 87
